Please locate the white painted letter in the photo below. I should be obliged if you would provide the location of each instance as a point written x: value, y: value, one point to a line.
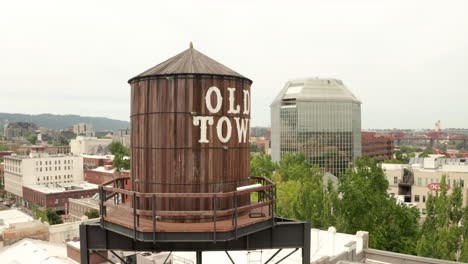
x: 219, y: 129
x: 246, y: 102
x: 219, y: 99
x: 202, y: 121
x: 242, y: 128
x: 232, y: 101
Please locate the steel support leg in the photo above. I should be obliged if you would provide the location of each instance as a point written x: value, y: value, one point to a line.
x: 84, y: 252
x: 306, y: 248
x: 199, y: 257
x: 229, y: 256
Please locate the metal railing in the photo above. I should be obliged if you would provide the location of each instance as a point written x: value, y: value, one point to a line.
x: 145, y: 205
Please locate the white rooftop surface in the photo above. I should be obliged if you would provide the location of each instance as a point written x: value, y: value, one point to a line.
x: 31, y: 251
x: 79, y: 186
x: 316, y: 89
x: 75, y: 244
x: 104, y: 170
x: 323, y: 243
x: 13, y: 216
x: 388, y: 166
x: 98, y: 156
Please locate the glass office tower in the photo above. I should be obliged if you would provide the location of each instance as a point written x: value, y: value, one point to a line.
x: 319, y: 117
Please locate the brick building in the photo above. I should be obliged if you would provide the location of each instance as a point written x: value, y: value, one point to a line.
x: 73, y: 252
x: 78, y: 207
x: 51, y: 150
x: 375, y: 146
x: 94, y: 161
x: 57, y: 197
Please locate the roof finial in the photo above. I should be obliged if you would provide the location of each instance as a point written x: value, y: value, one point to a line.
x: 191, y: 45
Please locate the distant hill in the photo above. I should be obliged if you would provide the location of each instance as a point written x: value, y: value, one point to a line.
x: 65, y: 121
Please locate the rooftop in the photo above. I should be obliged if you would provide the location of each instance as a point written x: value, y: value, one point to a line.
x: 190, y: 61
x: 13, y: 216
x: 63, y: 187
x: 103, y: 170
x: 29, y: 251
x: 98, y: 156
x: 316, y: 89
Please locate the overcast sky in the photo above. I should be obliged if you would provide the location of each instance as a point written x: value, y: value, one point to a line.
x: 406, y: 60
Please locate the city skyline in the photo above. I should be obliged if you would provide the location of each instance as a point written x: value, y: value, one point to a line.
x: 399, y: 58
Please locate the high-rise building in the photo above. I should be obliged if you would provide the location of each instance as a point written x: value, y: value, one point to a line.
x: 19, y: 130
x: 320, y: 117
x: 83, y: 129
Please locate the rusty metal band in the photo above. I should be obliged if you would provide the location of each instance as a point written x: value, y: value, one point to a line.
x: 225, y: 147
x: 222, y: 182
x: 190, y: 113
x: 190, y: 76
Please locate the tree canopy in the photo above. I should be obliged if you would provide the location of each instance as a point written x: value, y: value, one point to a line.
x: 121, y: 155
x: 92, y: 213
x: 361, y: 201
x: 444, y: 231
x: 47, y: 215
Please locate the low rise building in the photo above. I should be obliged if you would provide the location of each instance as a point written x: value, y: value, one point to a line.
x: 122, y: 136
x: 78, y: 207
x: 2, y: 176
x: 100, y: 175
x: 56, y: 196
x: 39, y: 168
x: 29, y: 251
x: 94, y: 161
x: 52, y: 150
x: 16, y: 225
x: 89, y: 145
x: 412, y: 182
x: 376, y: 146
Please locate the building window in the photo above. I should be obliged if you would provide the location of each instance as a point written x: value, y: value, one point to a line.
x: 419, y: 181
x: 416, y: 198
x: 424, y: 198
x: 395, y: 180
x: 427, y: 181
x: 424, y: 211
x: 56, y: 201
x: 462, y: 183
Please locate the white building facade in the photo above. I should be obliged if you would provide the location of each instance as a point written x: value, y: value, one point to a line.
x: 89, y: 146
x: 41, y: 169
x: 413, y: 182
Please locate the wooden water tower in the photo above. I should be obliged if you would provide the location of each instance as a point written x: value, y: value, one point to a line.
x: 190, y: 131
x: 190, y: 187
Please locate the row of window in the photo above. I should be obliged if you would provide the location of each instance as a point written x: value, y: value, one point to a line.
x: 434, y: 180
x: 39, y: 169
x: 57, y: 177
x: 56, y: 162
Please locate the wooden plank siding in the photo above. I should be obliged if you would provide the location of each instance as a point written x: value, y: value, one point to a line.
x: 166, y: 154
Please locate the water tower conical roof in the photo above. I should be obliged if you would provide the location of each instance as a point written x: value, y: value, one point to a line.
x: 190, y: 61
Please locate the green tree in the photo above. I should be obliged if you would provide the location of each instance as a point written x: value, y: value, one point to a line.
x: 287, y: 195
x: 93, y: 213
x: 294, y: 166
x: 4, y: 147
x: 47, y: 215
x: 364, y: 204
x: 261, y: 165
x: 32, y: 138
x: 426, y: 153
x: 442, y: 233
x: 315, y: 200
x: 121, y: 155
